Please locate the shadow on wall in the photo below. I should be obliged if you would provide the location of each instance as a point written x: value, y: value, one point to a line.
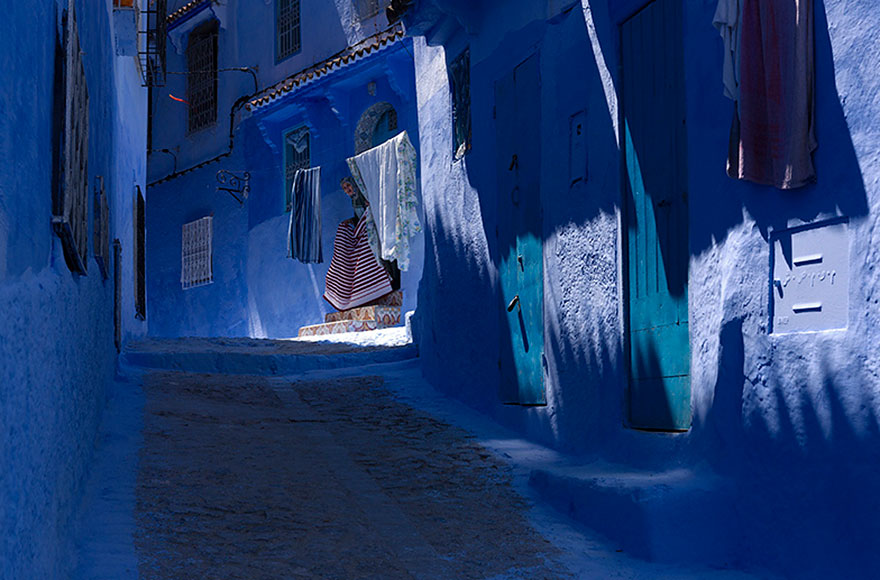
x: 816, y: 469
x: 718, y: 201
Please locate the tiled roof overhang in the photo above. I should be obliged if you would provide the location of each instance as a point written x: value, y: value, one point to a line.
x: 346, y: 57
x: 185, y: 10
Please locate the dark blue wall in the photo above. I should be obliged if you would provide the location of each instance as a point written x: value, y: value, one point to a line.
x: 56, y: 329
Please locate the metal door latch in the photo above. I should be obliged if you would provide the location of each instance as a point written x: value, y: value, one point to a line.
x: 513, y: 303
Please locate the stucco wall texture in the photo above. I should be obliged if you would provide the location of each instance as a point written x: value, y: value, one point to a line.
x: 56, y: 329
x: 257, y: 291
x: 792, y: 418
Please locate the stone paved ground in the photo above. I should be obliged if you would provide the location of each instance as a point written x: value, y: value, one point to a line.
x: 250, y: 477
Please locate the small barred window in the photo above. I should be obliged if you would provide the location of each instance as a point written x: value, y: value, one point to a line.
x: 197, y: 253
x: 287, y: 29
x: 201, y: 82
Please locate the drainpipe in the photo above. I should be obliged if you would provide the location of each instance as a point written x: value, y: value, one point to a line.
x: 235, y: 108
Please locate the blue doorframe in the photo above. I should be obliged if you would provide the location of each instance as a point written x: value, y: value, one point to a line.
x: 520, y: 239
x: 656, y: 250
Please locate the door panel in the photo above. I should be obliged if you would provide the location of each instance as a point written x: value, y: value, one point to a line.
x: 521, y: 270
x: 657, y: 217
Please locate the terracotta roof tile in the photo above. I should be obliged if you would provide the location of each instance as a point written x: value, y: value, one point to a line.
x: 350, y: 54
x: 184, y: 10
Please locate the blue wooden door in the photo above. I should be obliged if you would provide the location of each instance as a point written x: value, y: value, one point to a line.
x: 657, y: 217
x: 521, y: 268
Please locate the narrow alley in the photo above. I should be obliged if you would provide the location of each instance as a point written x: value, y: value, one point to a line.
x: 325, y: 474
x: 439, y: 289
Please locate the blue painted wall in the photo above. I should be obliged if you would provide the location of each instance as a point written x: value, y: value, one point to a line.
x: 257, y: 290
x: 246, y: 39
x: 792, y: 419
x: 56, y: 329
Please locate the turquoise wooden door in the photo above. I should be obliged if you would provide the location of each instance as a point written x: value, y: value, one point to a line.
x: 657, y: 218
x: 521, y: 268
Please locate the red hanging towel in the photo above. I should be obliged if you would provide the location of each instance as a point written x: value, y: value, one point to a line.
x: 776, y: 95
x: 355, y: 276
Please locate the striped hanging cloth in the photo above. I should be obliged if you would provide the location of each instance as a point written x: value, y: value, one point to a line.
x: 304, y: 228
x: 355, y: 276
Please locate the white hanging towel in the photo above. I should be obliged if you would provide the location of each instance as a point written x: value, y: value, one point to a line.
x: 387, y: 176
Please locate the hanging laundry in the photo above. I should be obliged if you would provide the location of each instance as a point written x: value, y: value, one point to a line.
x: 355, y: 276
x: 304, y: 229
x: 775, y: 127
x: 387, y: 176
x: 727, y: 20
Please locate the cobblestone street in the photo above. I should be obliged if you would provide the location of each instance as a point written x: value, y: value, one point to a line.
x: 250, y: 477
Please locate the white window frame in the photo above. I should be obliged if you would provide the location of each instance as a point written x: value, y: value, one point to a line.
x: 197, y: 253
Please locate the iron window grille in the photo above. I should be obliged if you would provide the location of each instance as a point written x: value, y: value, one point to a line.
x: 201, y: 82
x: 288, y: 32
x: 70, y: 212
x: 197, y: 253
x: 460, y: 81
x: 140, y: 262
x: 101, y: 235
x: 297, y: 155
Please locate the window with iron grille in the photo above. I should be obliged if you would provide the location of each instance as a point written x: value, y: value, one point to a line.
x: 460, y: 81
x: 296, y: 156
x: 369, y: 8
x: 197, y: 253
x: 140, y: 262
x: 287, y: 29
x: 70, y: 212
x: 101, y: 235
x: 201, y: 82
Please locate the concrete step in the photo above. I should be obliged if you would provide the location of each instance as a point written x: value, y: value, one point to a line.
x: 385, y: 315
x: 340, y: 327
x: 257, y: 356
x: 676, y: 516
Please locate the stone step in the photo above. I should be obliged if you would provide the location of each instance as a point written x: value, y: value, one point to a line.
x: 680, y: 516
x: 386, y: 315
x: 341, y: 326
x: 256, y: 356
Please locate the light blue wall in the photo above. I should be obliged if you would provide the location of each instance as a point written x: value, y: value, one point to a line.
x: 792, y: 418
x: 257, y: 290
x: 56, y: 329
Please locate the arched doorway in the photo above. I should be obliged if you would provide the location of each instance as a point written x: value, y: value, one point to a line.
x: 377, y: 124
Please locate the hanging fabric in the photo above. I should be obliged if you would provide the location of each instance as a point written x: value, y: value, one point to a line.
x: 386, y: 174
x: 304, y: 229
x: 727, y: 20
x: 355, y: 276
x: 773, y: 134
